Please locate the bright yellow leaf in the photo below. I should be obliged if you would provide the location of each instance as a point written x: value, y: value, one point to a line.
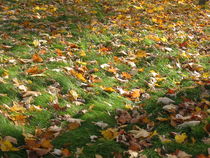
x: 180, y: 138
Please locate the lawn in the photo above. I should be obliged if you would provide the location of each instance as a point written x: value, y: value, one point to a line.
x: 104, y: 79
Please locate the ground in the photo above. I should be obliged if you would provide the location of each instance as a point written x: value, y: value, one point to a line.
x: 104, y: 78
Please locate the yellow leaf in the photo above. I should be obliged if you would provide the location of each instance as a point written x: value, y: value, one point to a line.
x: 46, y: 144
x: 73, y: 95
x: 141, y: 70
x: 36, y: 43
x: 82, y: 53
x: 129, y: 106
x: 140, y: 7
x: 164, y: 39
x: 80, y: 76
x: 110, y: 133
x: 108, y: 89
x: 164, y: 140
x: 180, y: 138
x: 141, y: 54
x: 7, y: 146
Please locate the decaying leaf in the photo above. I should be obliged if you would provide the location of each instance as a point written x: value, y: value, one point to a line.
x: 189, y: 124
x: 165, y: 100
x: 101, y: 124
x: 140, y: 133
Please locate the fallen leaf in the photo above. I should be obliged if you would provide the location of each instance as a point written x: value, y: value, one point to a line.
x: 34, y: 70
x: 165, y: 100
x: 6, y: 145
x: 37, y: 58
x: 73, y: 125
x: 110, y: 133
x: 141, y: 54
x: 101, y: 124
x: 170, y: 108
x: 66, y: 152
x: 189, y: 124
x: 36, y: 43
x: 98, y: 156
x: 182, y: 154
x: 180, y: 138
x: 140, y: 133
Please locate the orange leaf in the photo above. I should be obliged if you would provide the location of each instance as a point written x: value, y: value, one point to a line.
x: 66, y: 152
x: 59, y: 52
x: 37, y: 58
x: 126, y: 75
x: 136, y: 93
x: 104, y: 49
x: 34, y: 70
x: 112, y: 70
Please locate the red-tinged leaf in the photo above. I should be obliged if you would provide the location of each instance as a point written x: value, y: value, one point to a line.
x: 58, y: 107
x: 183, y: 44
x: 202, y: 156
x: 171, y: 91
x: 66, y: 152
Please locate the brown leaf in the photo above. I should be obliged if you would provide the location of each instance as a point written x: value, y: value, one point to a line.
x: 41, y: 152
x: 58, y: 107
x: 124, y: 117
x: 134, y: 146
x: 73, y: 125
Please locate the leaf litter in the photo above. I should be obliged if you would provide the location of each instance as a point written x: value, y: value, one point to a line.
x: 144, y: 35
